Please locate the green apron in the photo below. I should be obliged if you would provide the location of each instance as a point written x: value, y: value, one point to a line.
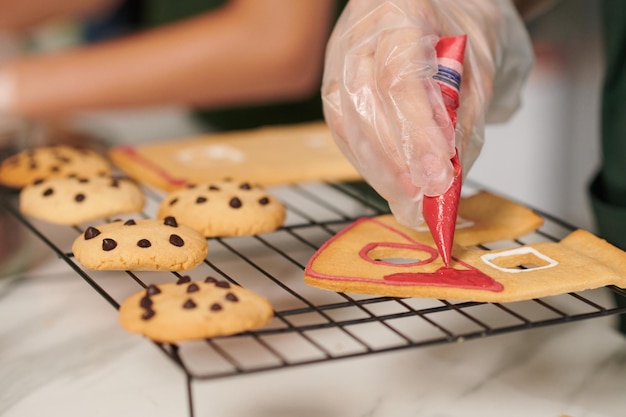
x: 161, y: 12
x: 608, y: 188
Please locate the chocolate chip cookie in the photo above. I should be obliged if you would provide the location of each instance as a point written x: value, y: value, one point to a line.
x: 189, y: 310
x: 73, y: 200
x: 140, y: 245
x: 53, y: 161
x: 224, y: 208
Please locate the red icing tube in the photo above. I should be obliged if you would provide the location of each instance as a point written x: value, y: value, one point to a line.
x: 440, y: 212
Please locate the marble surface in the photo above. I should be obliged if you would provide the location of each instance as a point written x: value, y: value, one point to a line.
x: 62, y: 353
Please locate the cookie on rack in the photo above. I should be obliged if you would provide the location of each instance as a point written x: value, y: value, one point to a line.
x: 140, y: 245
x: 189, y: 310
x: 379, y: 256
x: 74, y: 200
x: 52, y: 161
x: 224, y: 208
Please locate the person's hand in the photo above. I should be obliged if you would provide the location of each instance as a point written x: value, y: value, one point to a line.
x: 384, y: 108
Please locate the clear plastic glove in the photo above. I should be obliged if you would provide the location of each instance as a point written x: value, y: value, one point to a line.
x: 384, y: 108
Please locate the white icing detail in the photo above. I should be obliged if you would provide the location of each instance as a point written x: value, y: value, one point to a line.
x: 487, y: 258
x: 315, y: 142
x: 461, y: 223
x: 199, y: 156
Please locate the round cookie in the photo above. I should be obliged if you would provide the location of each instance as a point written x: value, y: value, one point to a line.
x: 224, y: 208
x: 140, y: 245
x: 73, y: 200
x: 29, y: 165
x: 189, y: 310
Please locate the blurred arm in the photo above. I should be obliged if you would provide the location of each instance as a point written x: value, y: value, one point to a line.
x: 247, y: 52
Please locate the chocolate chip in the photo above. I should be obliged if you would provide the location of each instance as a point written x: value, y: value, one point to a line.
x: 201, y: 200
x: 216, y: 307
x: 108, y: 244
x: 190, y: 186
x: 38, y: 181
x: 48, y: 192
x: 170, y: 221
x: 214, y: 188
x: 91, y: 232
x: 210, y: 280
x: 222, y: 284
x: 79, y: 198
x: 115, y: 183
x: 193, y: 287
x: 130, y: 222
x: 235, y: 202
x: 245, y: 186
x: 145, y: 302
x: 264, y: 201
x: 173, y: 201
x: 231, y: 297
x: 183, y: 280
x: 144, y: 243
x: 32, y: 165
x: 176, y: 240
x: 83, y: 180
x: 148, y: 314
x: 153, y: 290
x: 55, y: 168
x: 189, y: 304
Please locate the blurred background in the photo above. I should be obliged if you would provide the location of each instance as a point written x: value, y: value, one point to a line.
x: 544, y: 156
x: 548, y: 152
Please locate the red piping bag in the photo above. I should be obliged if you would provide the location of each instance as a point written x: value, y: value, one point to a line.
x: 440, y: 212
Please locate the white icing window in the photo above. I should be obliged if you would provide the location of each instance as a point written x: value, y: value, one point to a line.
x: 522, y: 259
x: 199, y: 156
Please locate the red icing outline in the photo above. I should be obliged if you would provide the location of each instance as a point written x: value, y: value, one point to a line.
x: 132, y: 153
x: 364, y: 253
x: 470, y: 278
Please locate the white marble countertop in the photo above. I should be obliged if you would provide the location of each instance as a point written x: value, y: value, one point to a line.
x: 62, y: 353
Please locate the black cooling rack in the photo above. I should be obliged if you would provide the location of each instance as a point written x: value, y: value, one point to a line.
x: 312, y: 325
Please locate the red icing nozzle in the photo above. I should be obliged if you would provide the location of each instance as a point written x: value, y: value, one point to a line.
x: 440, y: 211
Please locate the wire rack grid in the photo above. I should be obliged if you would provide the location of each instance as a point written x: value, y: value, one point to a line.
x: 313, y: 325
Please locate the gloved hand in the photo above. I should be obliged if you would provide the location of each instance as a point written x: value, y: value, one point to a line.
x: 384, y: 108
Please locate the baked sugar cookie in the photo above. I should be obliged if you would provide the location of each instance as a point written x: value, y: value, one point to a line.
x: 29, y: 165
x: 224, y: 208
x: 485, y: 217
x: 379, y: 256
x: 140, y: 245
x: 189, y: 310
x: 304, y: 152
x: 73, y: 200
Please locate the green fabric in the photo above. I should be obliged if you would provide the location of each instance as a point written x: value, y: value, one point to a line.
x: 613, y: 171
x: 160, y: 12
x: 608, y: 190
